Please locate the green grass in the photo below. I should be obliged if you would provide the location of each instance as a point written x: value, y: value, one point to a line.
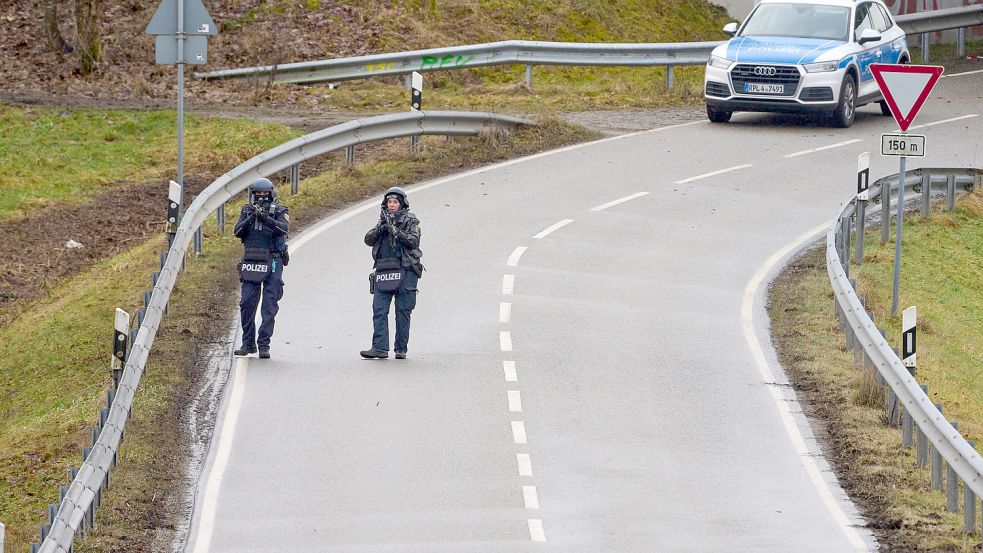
x: 942, y: 275
x: 54, y: 155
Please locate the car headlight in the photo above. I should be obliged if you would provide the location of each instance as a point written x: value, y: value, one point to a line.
x: 720, y: 63
x: 822, y: 67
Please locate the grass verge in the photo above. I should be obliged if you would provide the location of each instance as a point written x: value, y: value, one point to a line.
x: 55, y: 369
x: 943, y: 275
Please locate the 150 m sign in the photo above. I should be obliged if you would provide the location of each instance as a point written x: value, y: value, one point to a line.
x: 902, y: 145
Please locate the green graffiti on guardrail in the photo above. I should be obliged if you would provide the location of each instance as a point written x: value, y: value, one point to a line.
x: 434, y: 62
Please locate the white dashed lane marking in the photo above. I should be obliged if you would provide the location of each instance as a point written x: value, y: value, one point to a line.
x: 508, y: 284
x: 546, y: 232
x: 536, y: 532
x: 505, y: 313
x: 619, y: 201
x: 510, y: 374
x: 505, y: 339
x: 715, y: 173
x: 944, y: 121
x: 514, y: 258
x: 515, y: 401
x: 525, y: 464
x: 519, y: 432
x: 822, y: 148
x: 530, y: 497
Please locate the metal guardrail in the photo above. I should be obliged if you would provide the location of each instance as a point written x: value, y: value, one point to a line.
x: 81, y: 496
x: 867, y: 339
x: 510, y: 52
x: 531, y: 53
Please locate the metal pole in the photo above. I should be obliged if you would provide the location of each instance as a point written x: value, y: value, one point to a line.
x: 926, y: 193
x: 937, y: 463
x: 294, y: 178
x: 885, y: 212
x: 220, y: 215
x: 180, y: 98
x: 952, y: 484
x: 669, y: 75
x: 350, y: 156
x: 529, y: 77
x: 950, y: 192
x: 969, y: 507
x: 861, y: 228
x: 921, y: 447
x: 925, y: 46
x: 961, y: 42
x: 897, y: 240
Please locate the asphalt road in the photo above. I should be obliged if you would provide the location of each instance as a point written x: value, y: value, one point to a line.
x: 589, y: 368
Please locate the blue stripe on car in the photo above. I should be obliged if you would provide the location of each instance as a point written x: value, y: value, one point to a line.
x: 782, y: 50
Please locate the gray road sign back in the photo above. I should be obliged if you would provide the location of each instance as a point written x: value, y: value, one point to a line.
x: 196, y: 19
x: 195, y: 50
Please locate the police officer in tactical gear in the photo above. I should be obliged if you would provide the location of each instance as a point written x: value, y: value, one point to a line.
x: 262, y: 227
x: 395, y: 242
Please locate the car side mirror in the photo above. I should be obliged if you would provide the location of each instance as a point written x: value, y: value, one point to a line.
x: 730, y: 29
x: 869, y: 35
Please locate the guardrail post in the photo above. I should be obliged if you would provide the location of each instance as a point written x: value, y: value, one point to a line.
x: 907, y: 421
x: 921, y: 445
x: 961, y: 42
x: 198, y: 239
x: 350, y: 156
x: 847, y: 224
x: 926, y: 195
x: 529, y: 77
x: 220, y: 218
x: 937, y: 463
x: 969, y: 507
x: 669, y: 76
x: 950, y: 192
x: 952, y: 484
x: 294, y: 179
x: 885, y: 212
x: 858, y: 257
x: 926, y: 37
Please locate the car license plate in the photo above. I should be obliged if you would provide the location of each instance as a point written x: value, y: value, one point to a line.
x: 764, y: 88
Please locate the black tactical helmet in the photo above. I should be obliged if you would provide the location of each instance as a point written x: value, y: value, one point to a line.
x: 261, y: 185
x: 400, y: 195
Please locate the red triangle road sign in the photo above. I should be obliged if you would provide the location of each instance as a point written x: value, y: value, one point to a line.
x: 905, y: 88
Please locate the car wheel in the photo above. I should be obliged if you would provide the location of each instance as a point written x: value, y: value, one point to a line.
x: 718, y: 115
x: 847, y: 108
x: 885, y: 110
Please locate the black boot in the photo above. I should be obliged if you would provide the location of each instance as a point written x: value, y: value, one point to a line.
x: 374, y: 354
x: 264, y: 353
x: 400, y: 355
x: 244, y: 350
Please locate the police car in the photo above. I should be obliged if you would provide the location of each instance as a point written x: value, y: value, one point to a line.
x: 803, y: 56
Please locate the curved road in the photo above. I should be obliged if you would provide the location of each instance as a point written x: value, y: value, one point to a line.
x: 589, y: 365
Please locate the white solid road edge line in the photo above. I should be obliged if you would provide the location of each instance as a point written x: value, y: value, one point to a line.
x: 518, y: 432
x: 783, y: 405
x: 821, y: 148
x: 525, y: 464
x: 715, y: 173
x: 510, y: 374
x: 505, y: 313
x: 514, y: 258
x: 536, y: 532
x: 206, y: 525
x: 553, y: 228
x: 963, y: 73
x: 619, y: 201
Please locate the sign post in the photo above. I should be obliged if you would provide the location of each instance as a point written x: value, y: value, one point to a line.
x: 863, y: 183
x: 905, y: 89
x: 182, y: 28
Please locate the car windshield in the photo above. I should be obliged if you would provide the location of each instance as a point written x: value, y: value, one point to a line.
x: 799, y: 20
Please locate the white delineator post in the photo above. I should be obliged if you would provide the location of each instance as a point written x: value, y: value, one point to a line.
x: 1, y: 537
x: 908, y: 320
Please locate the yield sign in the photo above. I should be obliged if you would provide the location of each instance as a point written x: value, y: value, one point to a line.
x: 905, y: 88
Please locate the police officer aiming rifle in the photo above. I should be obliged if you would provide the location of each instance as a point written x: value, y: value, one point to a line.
x: 262, y: 227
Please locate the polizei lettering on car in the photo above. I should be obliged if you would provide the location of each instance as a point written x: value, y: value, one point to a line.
x: 805, y: 56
